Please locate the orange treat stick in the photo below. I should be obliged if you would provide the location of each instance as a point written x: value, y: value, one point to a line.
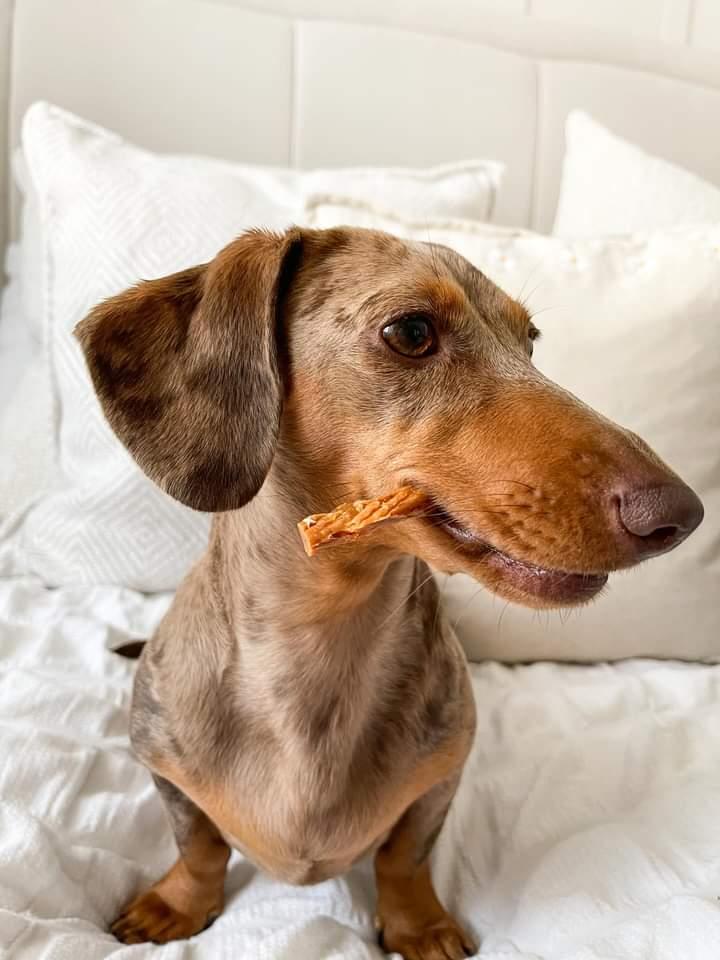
x: 352, y: 519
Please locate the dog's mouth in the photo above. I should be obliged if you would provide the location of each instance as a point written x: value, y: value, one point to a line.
x: 528, y: 579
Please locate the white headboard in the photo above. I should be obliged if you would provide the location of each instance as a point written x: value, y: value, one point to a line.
x: 323, y: 82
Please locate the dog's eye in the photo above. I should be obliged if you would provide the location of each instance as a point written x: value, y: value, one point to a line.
x: 533, y: 335
x: 412, y: 335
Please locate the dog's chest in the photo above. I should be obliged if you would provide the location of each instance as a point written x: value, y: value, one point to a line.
x: 299, y: 829
x: 310, y: 761
x: 285, y: 867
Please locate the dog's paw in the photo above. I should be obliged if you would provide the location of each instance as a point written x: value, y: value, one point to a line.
x: 443, y: 940
x: 149, y: 918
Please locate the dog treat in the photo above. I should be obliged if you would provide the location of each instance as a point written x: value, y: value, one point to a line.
x: 351, y: 519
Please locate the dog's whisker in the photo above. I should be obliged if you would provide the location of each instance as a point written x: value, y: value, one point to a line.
x: 406, y: 600
x: 502, y: 614
x: 519, y: 296
x: 536, y: 313
x: 467, y: 605
x: 526, y: 300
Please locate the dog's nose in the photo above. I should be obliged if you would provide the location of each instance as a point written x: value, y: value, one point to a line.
x: 661, y: 517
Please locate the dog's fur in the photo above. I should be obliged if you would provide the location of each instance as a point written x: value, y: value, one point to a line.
x: 309, y: 712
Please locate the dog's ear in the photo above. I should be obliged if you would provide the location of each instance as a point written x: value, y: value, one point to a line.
x: 187, y: 370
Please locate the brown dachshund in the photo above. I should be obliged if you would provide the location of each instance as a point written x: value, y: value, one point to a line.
x: 311, y: 712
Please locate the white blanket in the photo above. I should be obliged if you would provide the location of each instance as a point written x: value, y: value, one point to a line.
x: 587, y: 826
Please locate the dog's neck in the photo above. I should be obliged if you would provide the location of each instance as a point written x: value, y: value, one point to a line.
x: 338, y: 628
x: 275, y: 587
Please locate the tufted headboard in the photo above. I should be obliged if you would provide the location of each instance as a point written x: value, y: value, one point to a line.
x: 320, y: 82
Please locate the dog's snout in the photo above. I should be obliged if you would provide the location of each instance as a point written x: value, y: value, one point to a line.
x: 659, y: 517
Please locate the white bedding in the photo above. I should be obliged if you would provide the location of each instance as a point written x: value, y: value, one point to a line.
x: 16, y: 343
x: 587, y: 825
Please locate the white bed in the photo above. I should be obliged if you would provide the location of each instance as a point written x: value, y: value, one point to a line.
x: 586, y: 827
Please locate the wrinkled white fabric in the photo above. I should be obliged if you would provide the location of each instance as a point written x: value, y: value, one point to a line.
x: 586, y: 826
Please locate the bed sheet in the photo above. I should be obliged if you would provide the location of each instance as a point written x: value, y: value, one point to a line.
x: 587, y: 826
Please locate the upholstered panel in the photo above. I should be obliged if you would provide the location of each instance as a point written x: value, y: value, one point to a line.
x: 677, y: 33
x: 369, y: 94
x: 704, y: 24
x: 671, y: 118
x: 409, y: 82
x: 174, y: 76
x: 5, y: 72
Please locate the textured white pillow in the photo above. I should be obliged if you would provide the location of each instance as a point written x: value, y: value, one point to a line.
x: 611, y: 186
x: 631, y: 325
x: 109, y: 214
x: 16, y: 341
x: 25, y: 403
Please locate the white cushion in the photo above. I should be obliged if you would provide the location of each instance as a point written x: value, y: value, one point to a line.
x: 611, y: 186
x: 630, y: 324
x: 16, y: 341
x: 25, y: 403
x: 109, y: 215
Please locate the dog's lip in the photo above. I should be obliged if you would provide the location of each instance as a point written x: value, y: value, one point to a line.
x: 545, y: 583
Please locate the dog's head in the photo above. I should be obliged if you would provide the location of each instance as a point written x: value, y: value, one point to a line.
x: 358, y: 362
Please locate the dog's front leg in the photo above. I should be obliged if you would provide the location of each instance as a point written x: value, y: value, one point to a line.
x: 191, y: 894
x: 411, y: 919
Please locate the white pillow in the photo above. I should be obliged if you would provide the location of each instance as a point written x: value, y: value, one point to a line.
x: 631, y: 325
x: 109, y: 214
x: 25, y: 403
x: 611, y: 186
x: 16, y: 341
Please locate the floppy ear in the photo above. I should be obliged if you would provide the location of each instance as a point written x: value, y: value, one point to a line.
x: 186, y: 369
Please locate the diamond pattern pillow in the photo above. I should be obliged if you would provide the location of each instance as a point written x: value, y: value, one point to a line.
x: 111, y: 214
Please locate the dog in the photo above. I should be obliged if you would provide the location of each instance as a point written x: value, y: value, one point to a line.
x: 312, y: 712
